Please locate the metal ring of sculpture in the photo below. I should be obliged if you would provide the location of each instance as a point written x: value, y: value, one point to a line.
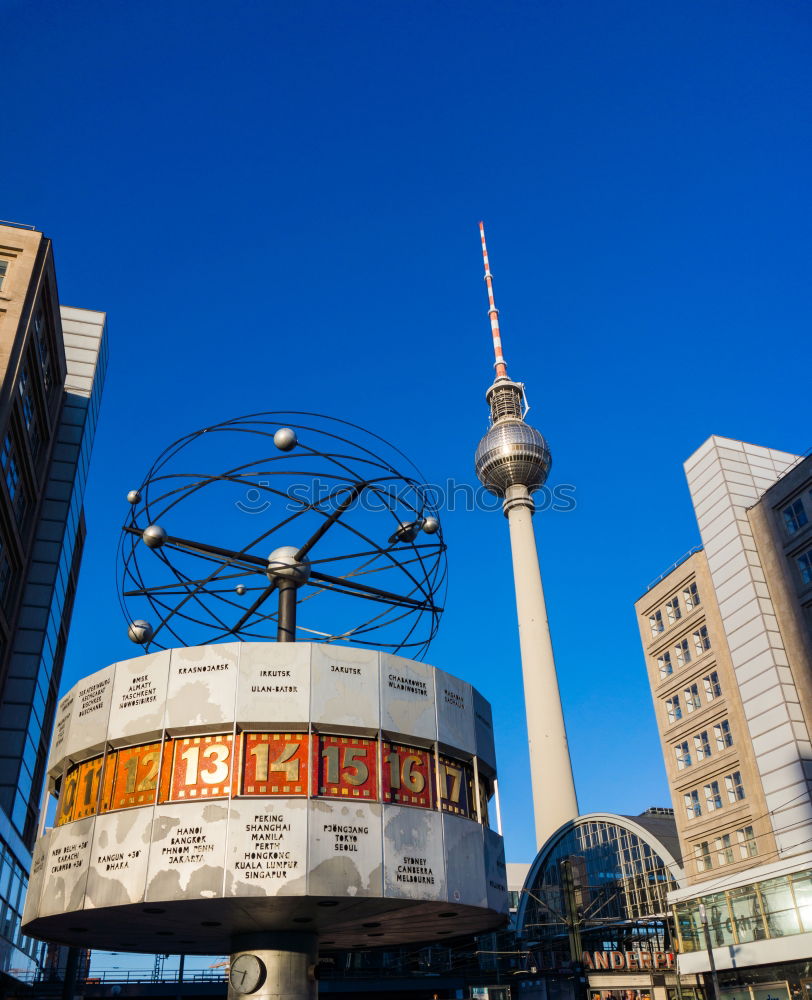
x: 326, y: 495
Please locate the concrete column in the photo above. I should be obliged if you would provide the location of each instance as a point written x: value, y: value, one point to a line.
x: 554, y: 800
x: 287, y: 963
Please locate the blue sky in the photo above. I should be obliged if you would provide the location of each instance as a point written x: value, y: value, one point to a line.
x: 277, y: 205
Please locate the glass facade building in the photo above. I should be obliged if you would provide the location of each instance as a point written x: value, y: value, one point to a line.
x: 593, y: 916
x: 52, y: 363
x: 773, y: 908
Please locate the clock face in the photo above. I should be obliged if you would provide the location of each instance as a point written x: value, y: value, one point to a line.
x: 247, y: 973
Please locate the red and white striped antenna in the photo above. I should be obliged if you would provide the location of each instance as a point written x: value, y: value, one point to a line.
x: 500, y: 364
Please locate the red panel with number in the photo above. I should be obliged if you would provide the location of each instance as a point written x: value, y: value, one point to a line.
x: 456, y: 784
x: 407, y: 776
x: 133, y: 777
x: 275, y: 763
x: 346, y: 767
x: 201, y: 767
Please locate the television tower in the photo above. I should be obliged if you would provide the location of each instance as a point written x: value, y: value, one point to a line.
x: 513, y: 461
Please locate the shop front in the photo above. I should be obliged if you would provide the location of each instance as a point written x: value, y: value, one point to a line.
x: 758, y: 925
x: 637, y: 975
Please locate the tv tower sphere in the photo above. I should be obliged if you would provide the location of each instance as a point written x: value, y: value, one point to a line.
x: 512, y: 453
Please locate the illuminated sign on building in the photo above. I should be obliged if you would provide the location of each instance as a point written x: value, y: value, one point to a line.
x: 628, y: 961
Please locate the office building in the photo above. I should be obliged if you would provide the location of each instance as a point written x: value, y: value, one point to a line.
x: 727, y: 634
x: 52, y: 360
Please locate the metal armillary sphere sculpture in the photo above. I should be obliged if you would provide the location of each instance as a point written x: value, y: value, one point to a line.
x: 296, y: 513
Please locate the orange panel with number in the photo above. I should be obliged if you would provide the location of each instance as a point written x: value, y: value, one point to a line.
x: 407, y: 776
x: 346, y: 767
x: 201, y: 767
x: 484, y: 794
x: 79, y: 797
x: 87, y: 791
x: 456, y: 785
x: 134, y: 777
x: 275, y: 763
x: 67, y: 797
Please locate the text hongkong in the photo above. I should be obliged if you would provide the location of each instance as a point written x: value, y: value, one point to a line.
x: 632, y: 961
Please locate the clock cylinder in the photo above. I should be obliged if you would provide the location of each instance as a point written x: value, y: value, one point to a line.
x: 208, y: 792
x: 275, y: 966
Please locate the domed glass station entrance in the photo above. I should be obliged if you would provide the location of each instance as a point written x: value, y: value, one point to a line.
x: 593, y: 911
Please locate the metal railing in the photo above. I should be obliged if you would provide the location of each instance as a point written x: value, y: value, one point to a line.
x: 17, y: 225
x: 148, y: 976
x: 673, y: 566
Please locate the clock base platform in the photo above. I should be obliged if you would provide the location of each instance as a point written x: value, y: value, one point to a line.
x: 274, y: 966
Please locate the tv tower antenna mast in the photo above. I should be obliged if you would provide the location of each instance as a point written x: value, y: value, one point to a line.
x: 512, y: 462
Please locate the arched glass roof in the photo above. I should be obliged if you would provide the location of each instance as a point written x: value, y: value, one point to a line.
x: 613, y: 872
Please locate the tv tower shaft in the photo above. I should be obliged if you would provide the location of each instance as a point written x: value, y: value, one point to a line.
x: 512, y: 461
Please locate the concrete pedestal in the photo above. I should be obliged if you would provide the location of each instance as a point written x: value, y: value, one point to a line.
x: 274, y: 966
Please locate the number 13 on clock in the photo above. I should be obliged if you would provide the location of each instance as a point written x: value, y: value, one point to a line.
x: 202, y: 767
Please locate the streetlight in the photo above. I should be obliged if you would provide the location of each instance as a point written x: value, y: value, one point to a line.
x: 703, y: 917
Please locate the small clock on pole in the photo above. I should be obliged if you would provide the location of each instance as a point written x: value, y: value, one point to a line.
x: 247, y: 973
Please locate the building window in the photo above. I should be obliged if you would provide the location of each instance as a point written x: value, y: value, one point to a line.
x: 724, y: 737
x: 664, y: 663
x: 683, y: 653
x: 702, y: 640
x: 794, y: 516
x: 673, y: 610
x: 713, y: 797
x: 5, y: 572
x: 702, y: 745
x: 24, y: 387
x: 724, y: 850
x: 673, y: 708
x: 3, y: 271
x: 747, y: 842
x: 683, y: 755
x: 713, y: 689
x: 703, y: 856
x: 43, y: 348
x: 692, y: 699
x: 11, y: 471
x: 656, y: 622
x: 29, y: 411
x: 691, y: 596
x: 804, y: 561
x: 11, y: 474
x: 692, y: 806
x: 735, y: 788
